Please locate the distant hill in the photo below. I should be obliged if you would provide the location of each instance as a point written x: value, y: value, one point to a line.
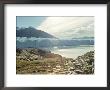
x: 84, y: 38
x: 32, y: 32
x: 88, y: 38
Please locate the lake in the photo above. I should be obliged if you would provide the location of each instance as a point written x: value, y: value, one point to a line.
x: 74, y: 51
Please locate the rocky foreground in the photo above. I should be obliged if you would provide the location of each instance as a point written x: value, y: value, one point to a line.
x: 37, y: 61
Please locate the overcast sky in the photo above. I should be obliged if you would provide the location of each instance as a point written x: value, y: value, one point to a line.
x: 61, y: 27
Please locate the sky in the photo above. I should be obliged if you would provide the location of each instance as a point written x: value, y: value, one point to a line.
x: 27, y: 21
x: 60, y: 27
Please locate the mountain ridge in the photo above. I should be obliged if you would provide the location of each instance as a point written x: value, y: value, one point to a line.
x: 32, y: 32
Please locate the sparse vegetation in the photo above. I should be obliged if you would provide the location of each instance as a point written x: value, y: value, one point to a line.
x: 37, y: 61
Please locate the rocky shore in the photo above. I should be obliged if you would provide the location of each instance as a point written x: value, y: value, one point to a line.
x: 37, y: 61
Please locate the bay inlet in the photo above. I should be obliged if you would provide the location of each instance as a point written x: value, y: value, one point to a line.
x: 74, y: 51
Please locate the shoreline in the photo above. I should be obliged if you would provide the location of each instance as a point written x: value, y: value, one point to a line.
x: 74, y: 52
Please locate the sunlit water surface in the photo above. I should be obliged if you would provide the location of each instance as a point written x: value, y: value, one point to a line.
x: 73, y: 52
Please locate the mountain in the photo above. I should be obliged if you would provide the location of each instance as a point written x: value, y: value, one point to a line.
x: 32, y: 32
x: 87, y: 37
x: 84, y: 38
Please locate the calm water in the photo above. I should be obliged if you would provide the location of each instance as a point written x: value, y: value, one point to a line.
x: 73, y: 52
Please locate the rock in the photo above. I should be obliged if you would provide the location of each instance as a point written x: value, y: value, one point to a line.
x: 85, y: 63
x: 78, y: 71
x: 47, y: 62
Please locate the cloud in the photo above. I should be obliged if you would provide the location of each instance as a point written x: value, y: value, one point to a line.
x: 68, y: 27
x: 21, y: 39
